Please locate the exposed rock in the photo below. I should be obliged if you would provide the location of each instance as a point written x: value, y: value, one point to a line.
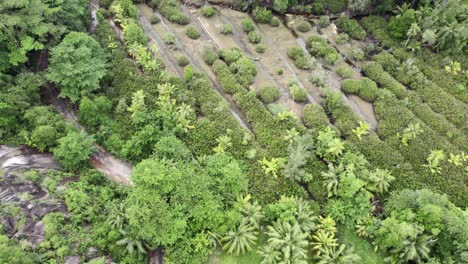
x: 73, y: 260
x: 92, y: 253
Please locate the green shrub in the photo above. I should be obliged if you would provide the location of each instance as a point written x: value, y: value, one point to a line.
x: 254, y: 37
x: 262, y: 15
x: 183, y: 61
x: 342, y: 38
x: 226, y: 29
x: 209, y: 55
x: 275, y: 22
x: 301, y: 59
x: 298, y: 94
x: 280, y: 71
x: 154, y: 19
x: 351, y: 27
x: 169, y: 39
x: 317, y: 81
x: 364, y: 88
x: 208, y: 11
x: 357, y: 54
x: 336, y: 6
x: 260, y: 48
x: 247, y: 25
x: 332, y: 58
x: 170, y: 10
x: 192, y: 32
x: 318, y: 7
x: 324, y: 21
x: 344, y: 72
x: 314, y: 117
x: 104, y: 12
x: 230, y: 55
x: 304, y: 26
x: 269, y: 94
x: 133, y: 33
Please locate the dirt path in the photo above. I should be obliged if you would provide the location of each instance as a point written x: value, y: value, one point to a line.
x: 191, y: 50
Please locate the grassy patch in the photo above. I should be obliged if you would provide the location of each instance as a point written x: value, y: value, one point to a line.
x: 361, y: 246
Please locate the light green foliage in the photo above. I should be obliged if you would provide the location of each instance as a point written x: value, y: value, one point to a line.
x: 170, y: 10
x: 169, y: 38
x: 273, y: 166
x: 364, y: 87
x: 342, y: 38
x: 289, y: 241
x: 275, y: 22
x: 359, y: 6
x: 301, y: 59
x: 344, y: 72
x: 226, y: 29
x: 280, y: 5
x: 314, y: 117
x: 74, y: 149
x: 247, y: 25
x: 183, y: 61
x: 357, y: 54
x: 208, y: 11
x: 298, y: 94
x: 209, y: 55
x: 338, y: 254
x: 144, y: 56
x: 361, y: 130
x: 411, y: 132
x: 260, y: 48
x: 304, y: 26
x: 192, y: 32
x: 254, y: 37
x: 317, y: 46
x: 12, y: 253
x: 262, y: 15
x: 269, y: 94
x: 224, y: 142
x: 328, y: 146
x: 133, y: 33
x: 434, y: 159
x: 77, y: 65
x: 324, y: 21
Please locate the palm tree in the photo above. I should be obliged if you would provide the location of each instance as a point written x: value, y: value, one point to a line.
x: 289, y: 240
x: 415, y: 250
x: 131, y: 243
x: 291, y: 135
x: 272, y: 167
x: 332, y: 177
x: 327, y: 224
x: 117, y: 216
x: 304, y: 215
x: 253, y: 213
x: 323, y: 239
x: 240, y: 240
x: 338, y: 255
x: 413, y: 31
x: 269, y: 254
x: 335, y: 149
x: 380, y: 180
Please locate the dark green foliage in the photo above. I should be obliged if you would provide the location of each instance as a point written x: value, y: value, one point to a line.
x: 183, y: 61
x: 344, y: 72
x: 93, y: 112
x: 317, y: 46
x: 170, y: 10
x: 275, y: 22
x: 351, y: 27
x: 154, y: 19
x: 269, y: 94
x: 226, y: 29
x: 260, y: 48
x: 336, y: 6
x: 77, y: 65
x: 314, y: 117
x: 12, y: 253
x: 208, y: 11
x: 304, y: 26
x: 301, y: 59
x: 262, y: 15
x: 192, y: 32
x: 324, y: 21
x: 399, y: 25
x: 74, y: 149
x: 226, y: 80
x: 298, y: 94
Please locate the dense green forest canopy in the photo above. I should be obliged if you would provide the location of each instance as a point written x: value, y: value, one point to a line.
x: 225, y: 166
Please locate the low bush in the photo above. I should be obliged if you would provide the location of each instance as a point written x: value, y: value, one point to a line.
x: 344, y: 72
x: 317, y: 46
x: 262, y: 15
x: 226, y: 79
x: 254, y: 37
x: 230, y: 55
x: 336, y: 6
x: 342, y: 38
x: 314, y: 117
x: 170, y: 10
x: 247, y: 25
x: 332, y: 58
x: 169, y: 39
x: 226, y: 29
x: 351, y: 27
x: 183, y: 61
x: 275, y: 22
x: 133, y: 33
x: 301, y: 59
x: 298, y: 94
x: 260, y: 48
x: 357, y: 54
x: 208, y: 11
x: 209, y: 55
x: 269, y: 94
x: 192, y: 32
x: 304, y: 26
x: 154, y: 19
x: 364, y: 88
x: 317, y: 81
x: 324, y: 21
